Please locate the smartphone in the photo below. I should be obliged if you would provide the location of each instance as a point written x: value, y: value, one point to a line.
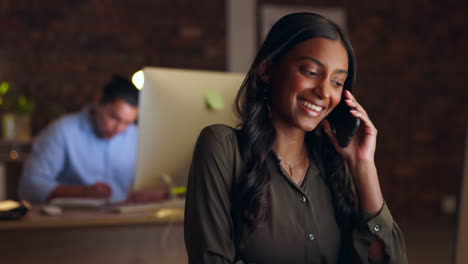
x: 343, y: 123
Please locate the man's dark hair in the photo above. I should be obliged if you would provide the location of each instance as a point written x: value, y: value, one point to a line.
x: 120, y: 88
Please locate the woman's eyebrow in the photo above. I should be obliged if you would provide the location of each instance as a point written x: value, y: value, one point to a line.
x: 312, y: 59
x: 321, y: 63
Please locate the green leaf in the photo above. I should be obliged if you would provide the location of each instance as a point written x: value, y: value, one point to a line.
x: 4, y: 87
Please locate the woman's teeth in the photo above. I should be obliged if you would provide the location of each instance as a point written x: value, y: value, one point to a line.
x: 311, y: 106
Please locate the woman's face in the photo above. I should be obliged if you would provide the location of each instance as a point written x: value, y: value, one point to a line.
x: 307, y: 83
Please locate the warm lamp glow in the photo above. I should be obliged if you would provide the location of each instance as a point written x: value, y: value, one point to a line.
x: 138, y: 79
x: 8, y: 205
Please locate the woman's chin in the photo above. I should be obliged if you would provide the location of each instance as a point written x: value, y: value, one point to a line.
x: 307, y: 127
x: 308, y: 123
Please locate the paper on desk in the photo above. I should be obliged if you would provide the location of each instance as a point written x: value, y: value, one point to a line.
x: 148, y: 207
x: 79, y: 202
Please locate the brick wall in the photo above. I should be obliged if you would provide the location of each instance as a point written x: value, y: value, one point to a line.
x: 62, y: 52
x: 411, y: 69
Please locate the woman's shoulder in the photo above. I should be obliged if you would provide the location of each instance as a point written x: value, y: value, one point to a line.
x: 219, y: 131
x: 218, y: 136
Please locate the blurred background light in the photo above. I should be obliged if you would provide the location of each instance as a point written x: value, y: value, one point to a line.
x: 138, y: 79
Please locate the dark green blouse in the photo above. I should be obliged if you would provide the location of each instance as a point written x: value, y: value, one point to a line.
x: 302, y: 227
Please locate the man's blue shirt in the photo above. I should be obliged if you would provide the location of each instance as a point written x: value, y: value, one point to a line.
x: 69, y: 152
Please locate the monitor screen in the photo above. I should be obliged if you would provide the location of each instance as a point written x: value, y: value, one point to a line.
x: 175, y: 105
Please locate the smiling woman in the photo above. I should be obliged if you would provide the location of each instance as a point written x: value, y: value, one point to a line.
x: 279, y: 189
x: 307, y: 83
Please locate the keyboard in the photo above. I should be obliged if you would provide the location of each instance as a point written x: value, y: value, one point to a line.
x: 147, y: 207
x: 79, y: 202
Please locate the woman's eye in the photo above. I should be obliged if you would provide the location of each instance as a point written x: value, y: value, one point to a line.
x: 337, y: 83
x: 309, y: 73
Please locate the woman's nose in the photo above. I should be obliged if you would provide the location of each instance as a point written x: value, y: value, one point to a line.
x: 322, y: 89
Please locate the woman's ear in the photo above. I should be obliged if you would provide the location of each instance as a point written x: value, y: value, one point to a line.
x: 264, y: 71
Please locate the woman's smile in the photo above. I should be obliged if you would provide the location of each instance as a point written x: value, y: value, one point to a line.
x: 310, y: 108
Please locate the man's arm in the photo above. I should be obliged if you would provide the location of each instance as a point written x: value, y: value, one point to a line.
x: 39, y: 178
x: 41, y: 169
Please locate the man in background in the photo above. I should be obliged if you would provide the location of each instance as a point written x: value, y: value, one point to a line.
x: 89, y: 154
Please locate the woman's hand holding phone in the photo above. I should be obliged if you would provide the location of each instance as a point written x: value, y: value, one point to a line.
x: 362, y: 146
x: 359, y: 156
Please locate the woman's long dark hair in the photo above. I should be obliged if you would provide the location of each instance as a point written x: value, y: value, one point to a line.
x: 257, y: 133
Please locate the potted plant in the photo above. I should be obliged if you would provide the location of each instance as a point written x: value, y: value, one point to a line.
x: 16, y: 112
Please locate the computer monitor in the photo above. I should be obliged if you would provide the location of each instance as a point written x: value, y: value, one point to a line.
x: 175, y: 105
x: 461, y: 245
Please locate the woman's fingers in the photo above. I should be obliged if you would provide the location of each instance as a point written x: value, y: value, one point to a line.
x: 359, y: 111
x: 370, y: 128
x: 351, y: 101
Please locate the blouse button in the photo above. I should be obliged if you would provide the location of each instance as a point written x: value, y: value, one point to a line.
x: 377, y: 228
x: 311, y: 237
x: 303, y: 199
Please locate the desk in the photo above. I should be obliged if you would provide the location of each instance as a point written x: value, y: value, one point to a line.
x: 97, y: 237
x: 91, y: 236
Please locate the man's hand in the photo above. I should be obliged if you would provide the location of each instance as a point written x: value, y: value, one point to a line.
x: 147, y: 196
x: 98, y: 190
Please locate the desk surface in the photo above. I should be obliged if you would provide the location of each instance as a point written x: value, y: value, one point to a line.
x: 71, y: 218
